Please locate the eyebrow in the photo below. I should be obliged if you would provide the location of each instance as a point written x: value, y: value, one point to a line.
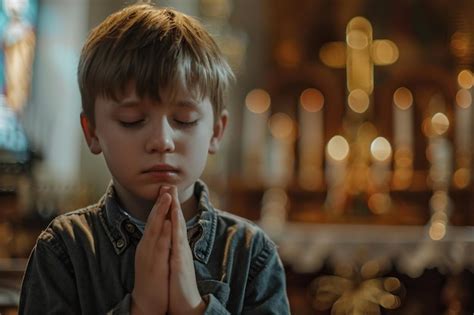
x: 187, y: 103
x: 132, y: 102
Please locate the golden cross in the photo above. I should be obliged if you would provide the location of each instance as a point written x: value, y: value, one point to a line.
x: 359, y: 54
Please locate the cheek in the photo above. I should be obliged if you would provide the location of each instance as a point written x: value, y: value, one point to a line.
x: 197, y: 148
x: 118, y: 150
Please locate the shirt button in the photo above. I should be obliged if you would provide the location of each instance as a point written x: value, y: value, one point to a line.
x: 130, y: 227
x: 120, y: 243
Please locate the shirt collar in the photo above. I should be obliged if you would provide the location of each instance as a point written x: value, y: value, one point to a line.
x: 201, y: 234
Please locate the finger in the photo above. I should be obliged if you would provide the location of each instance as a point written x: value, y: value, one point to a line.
x: 178, y: 223
x: 167, y: 189
x: 154, y: 209
x: 157, y: 216
x: 163, y: 245
x: 181, y: 219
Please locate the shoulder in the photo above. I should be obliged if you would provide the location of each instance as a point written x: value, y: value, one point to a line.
x: 255, y: 239
x: 72, y: 227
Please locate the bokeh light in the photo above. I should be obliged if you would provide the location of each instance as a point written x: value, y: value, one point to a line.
x: 357, y: 39
x: 463, y: 98
x: 380, y: 149
x: 333, y: 54
x: 282, y: 126
x: 465, y: 79
x: 258, y: 101
x: 437, y: 231
x: 384, y: 52
x: 338, y: 148
x: 439, y: 123
x: 312, y: 100
x: 358, y: 100
x: 403, y: 98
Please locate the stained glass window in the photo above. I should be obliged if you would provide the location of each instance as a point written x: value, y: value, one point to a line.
x: 17, y: 35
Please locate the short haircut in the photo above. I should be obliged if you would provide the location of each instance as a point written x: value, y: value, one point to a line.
x: 153, y: 48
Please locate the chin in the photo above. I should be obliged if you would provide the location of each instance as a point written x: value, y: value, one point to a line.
x: 149, y: 193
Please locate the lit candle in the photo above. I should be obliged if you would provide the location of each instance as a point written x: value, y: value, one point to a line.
x: 337, y: 152
x: 403, y: 118
x: 281, y: 153
x: 403, y: 137
x: 463, y: 114
x: 311, y: 139
x: 440, y: 150
x: 254, y: 135
x: 381, y: 153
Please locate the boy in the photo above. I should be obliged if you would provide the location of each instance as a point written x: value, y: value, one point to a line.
x: 152, y: 83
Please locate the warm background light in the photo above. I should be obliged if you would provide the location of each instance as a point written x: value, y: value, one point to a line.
x: 333, y: 54
x: 462, y: 177
x: 338, y: 148
x: 379, y: 203
x: 384, y: 52
x: 288, y: 53
x: 463, y: 98
x: 439, y: 123
x: 465, y: 79
x: 380, y: 149
x: 358, y: 101
x: 403, y: 98
x: 437, y: 231
x: 460, y: 43
x: 258, y: 101
x: 312, y: 100
x: 281, y: 126
x: 439, y: 201
x: 357, y: 39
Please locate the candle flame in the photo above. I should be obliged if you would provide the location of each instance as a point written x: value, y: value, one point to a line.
x: 381, y: 149
x: 338, y: 148
x: 258, y: 101
x: 312, y: 100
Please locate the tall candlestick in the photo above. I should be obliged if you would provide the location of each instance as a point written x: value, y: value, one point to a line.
x: 281, y: 153
x: 403, y: 137
x: 254, y: 135
x: 337, y: 153
x: 463, y: 118
x: 381, y: 153
x: 311, y: 139
x: 403, y: 118
x: 440, y: 151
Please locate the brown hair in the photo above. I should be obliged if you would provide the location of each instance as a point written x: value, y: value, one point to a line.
x: 153, y: 48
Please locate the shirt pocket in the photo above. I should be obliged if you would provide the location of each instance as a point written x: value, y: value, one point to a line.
x: 220, y: 290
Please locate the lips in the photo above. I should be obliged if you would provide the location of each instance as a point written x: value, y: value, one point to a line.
x: 162, y: 173
x: 164, y: 168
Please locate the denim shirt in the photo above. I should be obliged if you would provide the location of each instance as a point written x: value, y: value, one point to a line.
x: 83, y: 263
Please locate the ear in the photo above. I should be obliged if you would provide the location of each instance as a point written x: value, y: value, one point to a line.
x: 218, y: 131
x: 89, y: 134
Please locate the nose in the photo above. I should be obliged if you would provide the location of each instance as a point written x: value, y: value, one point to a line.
x: 160, y: 139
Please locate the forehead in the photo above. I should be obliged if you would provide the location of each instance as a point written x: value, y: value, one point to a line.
x: 175, y: 91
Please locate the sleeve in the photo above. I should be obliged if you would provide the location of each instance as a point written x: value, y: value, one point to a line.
x: 123, y: 307
x: 266, y: 284
x: 48, y: 284
x: 214, y: 306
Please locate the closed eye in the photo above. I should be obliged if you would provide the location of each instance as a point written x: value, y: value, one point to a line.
x: 186, y: 124
x: 131, y: 124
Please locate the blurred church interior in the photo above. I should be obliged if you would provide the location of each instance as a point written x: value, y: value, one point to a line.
x: 350, y: 142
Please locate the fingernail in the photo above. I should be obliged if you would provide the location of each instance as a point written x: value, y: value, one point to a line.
x: 164, y: 189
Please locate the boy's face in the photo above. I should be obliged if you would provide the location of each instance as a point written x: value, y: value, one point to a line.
x: 147, y: 144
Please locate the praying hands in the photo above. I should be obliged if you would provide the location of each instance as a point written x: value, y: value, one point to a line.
x: 165, y: 281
